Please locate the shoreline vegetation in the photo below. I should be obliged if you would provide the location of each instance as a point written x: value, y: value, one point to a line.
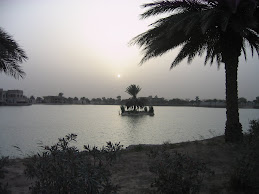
x: 149, y: 101
x: 202, y: 166
x: 207, y: 106
x: 157, y: 102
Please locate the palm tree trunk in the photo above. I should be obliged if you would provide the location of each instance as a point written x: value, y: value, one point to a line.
x: 233, y: 130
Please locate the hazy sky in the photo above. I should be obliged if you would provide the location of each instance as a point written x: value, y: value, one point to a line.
x: 79, y: 47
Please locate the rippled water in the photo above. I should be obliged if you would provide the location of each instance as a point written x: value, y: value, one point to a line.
x: 26, y: 126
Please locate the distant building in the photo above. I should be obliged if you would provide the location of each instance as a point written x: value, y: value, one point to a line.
x: 2, y: 96
x: 157, y: 101
x: 13, y: 97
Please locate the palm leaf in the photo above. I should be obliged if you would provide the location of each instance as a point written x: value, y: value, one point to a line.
x: 206, y: 18
x: 161, y: 7
x: 10, y: 56
x: 133, y: 90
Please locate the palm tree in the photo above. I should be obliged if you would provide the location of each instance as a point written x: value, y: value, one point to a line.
x: 220, y: 28
x: 133, y: 90
x: 10, y: 56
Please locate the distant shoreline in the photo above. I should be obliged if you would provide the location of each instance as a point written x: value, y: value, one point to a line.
x: 242, y: 107
x: 201, y: 106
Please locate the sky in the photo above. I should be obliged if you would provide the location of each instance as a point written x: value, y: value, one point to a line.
x: 80, y: 47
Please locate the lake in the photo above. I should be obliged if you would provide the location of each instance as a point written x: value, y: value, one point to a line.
x: 27, y: 126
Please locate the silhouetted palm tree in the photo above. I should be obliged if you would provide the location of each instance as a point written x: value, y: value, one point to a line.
x: 220, y: 28
x: 133, y: 90
x: 10, y: 56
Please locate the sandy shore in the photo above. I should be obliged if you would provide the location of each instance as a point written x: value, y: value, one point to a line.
x: 131, y: 170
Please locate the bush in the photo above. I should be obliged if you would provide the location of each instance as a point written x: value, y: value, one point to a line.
x: 63, y: 169
x: 4, y: 161
x: 253, y: 134
x: 245, y: 176
x: 177, y: 173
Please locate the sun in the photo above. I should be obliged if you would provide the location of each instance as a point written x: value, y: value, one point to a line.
x: 118, y: 75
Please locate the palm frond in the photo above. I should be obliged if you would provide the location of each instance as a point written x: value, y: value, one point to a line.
x: 210, y: 20
x: 12, y: 69
x: 133, y: 90
x: 194, y: 46
x: 168, y: 33
x: 168, y: 6
x: 253, y: 40
x: 207, y: 19
x: 10, y: 56
x: 211, y: 43
x: 244, y: 49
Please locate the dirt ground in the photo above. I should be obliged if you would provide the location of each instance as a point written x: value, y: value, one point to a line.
x: 131, y: 170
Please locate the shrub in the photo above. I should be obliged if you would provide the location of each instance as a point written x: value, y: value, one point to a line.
x: 4, y: 161
x: 63, y: 169
x: 253, y: 134
x: 245, y: 176
x: 177, y: 173
x: 138, y: 148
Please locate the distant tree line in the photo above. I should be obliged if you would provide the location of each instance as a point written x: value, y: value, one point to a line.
x: 154, y: 101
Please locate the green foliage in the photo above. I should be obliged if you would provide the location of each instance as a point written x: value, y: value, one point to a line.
x: 177, y: 173
x: 245, y: 176
x: 109, y: 153
x: 64, y: 169
x: 4, y: 161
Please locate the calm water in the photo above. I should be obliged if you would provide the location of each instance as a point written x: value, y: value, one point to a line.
x: 26, y: 126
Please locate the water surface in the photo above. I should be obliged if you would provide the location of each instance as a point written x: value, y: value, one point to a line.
x: 26, y: 126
